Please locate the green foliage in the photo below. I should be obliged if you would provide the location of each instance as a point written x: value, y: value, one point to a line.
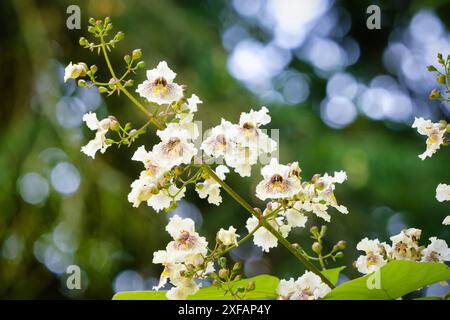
x: 396, y: 279
x: 333, y: 274
x: 265, y: 288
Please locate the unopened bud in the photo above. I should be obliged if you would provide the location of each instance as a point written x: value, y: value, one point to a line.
x: 237, y: 266
x: 316, y: 247
x: 140, y: 65
x: 102, y: 90
x: 223, y: 273
x: 113, y: 123
x: 435, y: 94
x: 250, y: 286
x: 338, y: 255
x: 440, y: 79
x: 137, y: 53
x: 341, y: 245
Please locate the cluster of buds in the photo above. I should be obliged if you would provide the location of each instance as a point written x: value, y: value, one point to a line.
x: 226, y: 277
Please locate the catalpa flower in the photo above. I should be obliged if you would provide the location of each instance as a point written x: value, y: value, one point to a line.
x: 443, y: 192
x: 437, y: 251
x: 375, y: 255
x: 159, y: 86
x: 307, y: 287
x: 174, y: 149
x: 210, y: 188
x: 446, y: 221
x: 227, y: 237
x: 187, y: 248
x: 262, y: 237
x: 277, y: 183
x: 220, y: 140
x: 435, y: 133
x: 188, y: 108
x: 249, y: 133
x: 99, y: 142
x: 154, y: 167
x: 405, y: 245
x: 74, y: 71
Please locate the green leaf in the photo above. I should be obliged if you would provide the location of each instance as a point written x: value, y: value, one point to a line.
x: 395, y: 279
x: 265, y: 287
x: 333, y: 274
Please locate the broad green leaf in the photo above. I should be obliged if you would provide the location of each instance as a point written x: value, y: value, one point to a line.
x: 394, y: 280
x: 333, y: 274
x: 265, y: 288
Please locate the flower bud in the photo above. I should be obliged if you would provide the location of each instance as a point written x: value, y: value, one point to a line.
x: 250, y: 286
x: 137, y: 53
x: 113, y: 124
x: 91, y: 29
x: 223, y: 273
x: 222, y: 262
x: 127, y: 58
x: 92, y: 21
x: 338, y: 255
x: 129, y: 83
x: 241, y: 289
x: 237, y: 266
x: 119, y: 36
x: 440, y: 79
x: 316, y: 247
x: 140, y: 65
x: 81, y: 83
x: 295, y: 245
x: 435, y: 94
x: 323, y: 230
x: 93, y: 68
x: 102, y: 90
x: 314, y: 230
x: 431, y: 68
x: 341, y: 245
x: 83, y: 41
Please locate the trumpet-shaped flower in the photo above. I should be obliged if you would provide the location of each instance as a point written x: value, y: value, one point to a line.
x: 437, y: 251
x: 307, y: 287
x: 159, y: 86
x: 210, y: 188
x: 74, y: 71
x: 443, y: 192
x: 435, y: 133
x: 375, y: 255
x: 228, y: 237
x: 99, y: 143
x: 277, y: 183
x: 405, y: 245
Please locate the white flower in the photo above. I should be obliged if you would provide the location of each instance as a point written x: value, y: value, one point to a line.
x: 437, y: 251
x: 250, y: 135
x: 159, y: 86
x: 141, y: 190
x: 375, y: 255
x: 277, y: 182
x: 154, y: 168
x: 165, y: 197
x: 210, y: 188
x: 295, y: 216
x: 174, y: 149
x: 446, y: 221
x: 220, y: 140
x: 262, y: 237
x: 187, y: 109
x: 307, y: 287
x: 241, y: 159
x: 435, y: 133
x: 187, y: 248
x: 405, y: 244
x: 228, y: 237
x: 99, y: 142
x: 74, y: 71
x: 443, y: 192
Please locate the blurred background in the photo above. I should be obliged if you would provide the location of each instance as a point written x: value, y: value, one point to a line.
x: 343, y: 97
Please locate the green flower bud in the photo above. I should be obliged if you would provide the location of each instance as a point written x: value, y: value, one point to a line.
x: 102, y: 90
x: 435, y: 94
x: 137, y: 53
x: 431, y: 68
x: 323, y: 230
x: 140, y: 65
x: 241, y: 289
x: 91, y: 29
x: 119, y: 36
x: 129, y: 83
x: 237, y: 266
x: 440, y: 79
x: 93, y: 69
x: 127, y: 58
x: 83, y: 41
x: 338, y: 255
x: 81, y: 83
x: 341, y: 245
x: 314, y: 230
x: 316, y: 247
x: 222, y: 262
x: 113, y: 123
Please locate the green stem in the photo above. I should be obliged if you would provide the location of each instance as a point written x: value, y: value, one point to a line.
x: 266, y: 225
x: 125, y: 91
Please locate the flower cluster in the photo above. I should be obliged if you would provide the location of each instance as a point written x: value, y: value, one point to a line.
x: 405, y: 246
x: 291, y: 200
x: 183, y: 259
x: 307, y: 287
x: 240, y: 145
